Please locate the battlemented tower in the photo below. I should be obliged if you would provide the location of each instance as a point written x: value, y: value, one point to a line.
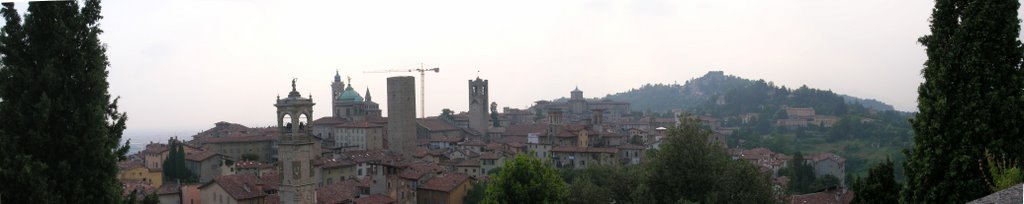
x: 478, y: 102
x: 295, y: 150
x: 401, y: 133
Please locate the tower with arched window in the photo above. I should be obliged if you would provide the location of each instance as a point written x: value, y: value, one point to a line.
x: 296, y: 151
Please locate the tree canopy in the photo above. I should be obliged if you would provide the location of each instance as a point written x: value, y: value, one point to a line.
x: 970, y: 102
x: 689, y: 168
x: 61, y: 131
x: 526, y: 180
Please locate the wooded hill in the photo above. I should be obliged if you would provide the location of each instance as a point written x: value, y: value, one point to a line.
x: 868, y: 131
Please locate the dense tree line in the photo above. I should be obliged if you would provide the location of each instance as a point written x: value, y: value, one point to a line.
x: 60, y: 132
x: 175, y: 168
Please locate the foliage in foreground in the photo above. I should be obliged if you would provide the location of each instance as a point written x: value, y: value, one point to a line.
x: 61, y: 132
x: 526, y: 180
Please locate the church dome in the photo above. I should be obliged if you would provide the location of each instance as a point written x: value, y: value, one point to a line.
x: 350, y: 95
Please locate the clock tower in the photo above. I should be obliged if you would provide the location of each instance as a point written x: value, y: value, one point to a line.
x: 295, y: 148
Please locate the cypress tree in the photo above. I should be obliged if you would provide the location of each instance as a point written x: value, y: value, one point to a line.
x: 970, y: 102
x: 61, y: 131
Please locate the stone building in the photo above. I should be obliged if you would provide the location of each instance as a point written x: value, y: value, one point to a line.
x: 478, y: 102
x: 401, y: 128
x: 296, y: 148
x: 577, y: 108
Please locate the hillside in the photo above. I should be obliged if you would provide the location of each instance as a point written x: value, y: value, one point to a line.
x: 864, y: 131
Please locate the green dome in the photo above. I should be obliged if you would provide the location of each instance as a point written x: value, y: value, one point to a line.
x: 350, y: 95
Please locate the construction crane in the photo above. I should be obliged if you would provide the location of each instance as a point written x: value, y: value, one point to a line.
x: 423, y: 83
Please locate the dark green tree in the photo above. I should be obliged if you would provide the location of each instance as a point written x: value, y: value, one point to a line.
x: 801, y: 175
x: 583, y: 191
x: 62, y: 132
x: 250, y: 157
x: 970, y: 101
x: 175, y: 168
x: 689, y: 168
x: 526, y: 180
x: 879, y: 186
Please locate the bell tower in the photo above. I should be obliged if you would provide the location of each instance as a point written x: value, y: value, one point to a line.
x: 295, y: 148
x: 337, y: 87
x: 478, y: 92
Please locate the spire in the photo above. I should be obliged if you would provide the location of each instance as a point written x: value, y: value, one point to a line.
x: 337, y: 76
x: 367, y: 94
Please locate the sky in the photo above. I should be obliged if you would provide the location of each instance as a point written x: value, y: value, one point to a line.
x: 180, y: 66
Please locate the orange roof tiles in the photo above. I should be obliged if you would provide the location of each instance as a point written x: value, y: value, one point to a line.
x: 239, y: 187
x: 445, y: 183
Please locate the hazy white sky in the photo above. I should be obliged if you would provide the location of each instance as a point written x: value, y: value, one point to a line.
x: 182, y: 65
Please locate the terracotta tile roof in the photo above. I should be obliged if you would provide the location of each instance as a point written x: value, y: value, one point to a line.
x: 445, y: 183
x: 375, y: 155
x: 329, y: 121
x: 201, y: 156
x: 271, y: 180
x: 130, y: 164
x: 375, y: 199
x: 516, y: 145
x: 243, y: 138
x: 239, y: 187
x: 828, y: 197
x: 469, y: 163
x: 494, y: 146
x: 340, y: 192
x: 155, y: 148
x: 583, y: 149
x: 435, y: 124
x: 417, y: 170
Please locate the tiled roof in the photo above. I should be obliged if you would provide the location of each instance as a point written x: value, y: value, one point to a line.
x: 827, y: 156
x: 469, y: 163
x: 329, y: 121
x: 417, y: 170
x: 445, y: 183
x: 155, y: 148
x: 201, y: 156
x: 375, y: 155
x: 828, y: 197
x: 130, y: 164
x: 435, y: 124
x: 271, y: 180
x: 490, y: 155
x: 244, y: 138
x: 338, y: 192
x: 239, y: 187
x: 582, y: 149
x: 375, y: 199
x: 169, y: 188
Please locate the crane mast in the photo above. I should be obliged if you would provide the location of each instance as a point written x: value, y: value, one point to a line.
x: 423, y: 83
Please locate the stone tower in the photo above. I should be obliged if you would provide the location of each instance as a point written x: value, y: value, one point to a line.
x: 337, y: 87
x: 296, y: 152
x: 576, y: 103
x: 478, y: 103
x: 401, y: 135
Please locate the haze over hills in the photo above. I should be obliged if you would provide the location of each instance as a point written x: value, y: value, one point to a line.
x: 713, y: 85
